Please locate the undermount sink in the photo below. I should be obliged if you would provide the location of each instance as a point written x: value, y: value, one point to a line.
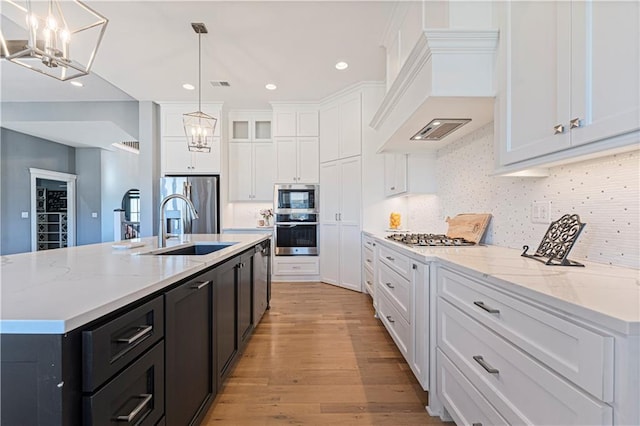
x: 194, y: 249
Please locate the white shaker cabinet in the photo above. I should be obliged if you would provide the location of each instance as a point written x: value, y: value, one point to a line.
x: 395, y: 174
x: 247, y: 126
x: 295, y: 122
x: 251, y: 171
x: 177, y: 159
x: 409, y: 174
x: 175, y: 154
x: 571, y: 77
x: 341, y: 128
x: 297, y: 159
x: 340, y: 194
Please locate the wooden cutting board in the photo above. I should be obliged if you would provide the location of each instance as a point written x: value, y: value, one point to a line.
x: 470, y: 226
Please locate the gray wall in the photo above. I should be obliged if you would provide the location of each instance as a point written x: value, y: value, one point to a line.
x: 88, y: 194
x: 19, y: 152
x: 119, y: 174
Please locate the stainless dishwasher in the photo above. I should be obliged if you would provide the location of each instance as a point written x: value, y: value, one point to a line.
x: 262, y: 280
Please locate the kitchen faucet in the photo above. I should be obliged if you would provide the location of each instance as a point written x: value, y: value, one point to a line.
x: 162, y: 233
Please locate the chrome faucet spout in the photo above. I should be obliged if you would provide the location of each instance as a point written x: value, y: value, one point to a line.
x: 162, y: 232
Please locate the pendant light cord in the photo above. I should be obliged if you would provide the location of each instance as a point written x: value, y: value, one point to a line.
x: 199, y: 71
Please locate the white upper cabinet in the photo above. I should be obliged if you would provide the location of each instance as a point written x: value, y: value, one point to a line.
x: 341, y: 128
x: 292, y: 121
x: 251, y: 171
x: 570, y: 83
x: 395, y: 174
x: 175, y: 154
x: 409, y: 174
x: 297, y: 160
x: 249, y: 126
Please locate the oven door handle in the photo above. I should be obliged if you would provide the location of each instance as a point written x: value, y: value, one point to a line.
x: 292, y: 224
x: 286, y: 225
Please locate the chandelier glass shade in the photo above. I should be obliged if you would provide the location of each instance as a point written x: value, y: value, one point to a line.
x: 199, y: 126
x: 58, y: 38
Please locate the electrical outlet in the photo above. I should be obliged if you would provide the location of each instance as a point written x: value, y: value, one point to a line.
x: 94, y: 215
x: 540, y: 211
x: 24, y: 215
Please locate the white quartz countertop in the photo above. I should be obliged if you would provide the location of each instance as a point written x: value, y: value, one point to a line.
x: 604, y: 295
x: 56, y: 291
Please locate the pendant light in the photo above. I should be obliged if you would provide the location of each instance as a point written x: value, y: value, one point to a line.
x: 198, y: 126
x: 58, y: 38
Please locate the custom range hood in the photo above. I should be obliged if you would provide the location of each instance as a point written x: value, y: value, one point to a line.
x: 444, y: 90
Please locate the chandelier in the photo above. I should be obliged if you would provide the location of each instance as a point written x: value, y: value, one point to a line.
x: 58, y: 38
x: 198, y: 126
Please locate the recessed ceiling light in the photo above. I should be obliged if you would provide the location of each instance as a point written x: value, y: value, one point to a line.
x: 271, y: 86
x: 342, y: 66
x: 77, y: 83
x: 436, y: 123
x: 188, y: 86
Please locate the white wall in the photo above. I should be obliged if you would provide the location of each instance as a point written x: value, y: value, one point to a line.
x: 604, y: 192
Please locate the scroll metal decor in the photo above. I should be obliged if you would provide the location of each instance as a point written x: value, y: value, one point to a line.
x: 558, y: 242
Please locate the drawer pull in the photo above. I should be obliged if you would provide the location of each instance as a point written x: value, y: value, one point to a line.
x: 146, y: 398
x: 476, y: 424
x: 481, y: 305
x: 369, y: 282
x: 200, y: 285
x: 389, y: 285
x: 368, y: 260
x: 141, y: 333
x: 391, y: 258
x: 390, y: 319
x: 483, y: 364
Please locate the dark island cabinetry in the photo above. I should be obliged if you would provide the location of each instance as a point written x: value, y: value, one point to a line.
x: 157, y: 361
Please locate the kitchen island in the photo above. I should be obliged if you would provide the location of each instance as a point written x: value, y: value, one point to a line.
x: 497, y: 338
x: 115, y: 331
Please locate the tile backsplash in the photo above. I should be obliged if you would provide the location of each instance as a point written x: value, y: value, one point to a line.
x: 604, y: 192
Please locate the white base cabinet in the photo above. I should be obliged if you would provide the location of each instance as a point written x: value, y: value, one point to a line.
x: 523, y: 363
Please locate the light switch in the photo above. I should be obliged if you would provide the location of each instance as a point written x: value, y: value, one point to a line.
x: 24, y: 215
x: 94, y: 214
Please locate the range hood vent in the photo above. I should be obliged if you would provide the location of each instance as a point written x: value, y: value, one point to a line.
x: 448, y: 73
x: 439, y: 128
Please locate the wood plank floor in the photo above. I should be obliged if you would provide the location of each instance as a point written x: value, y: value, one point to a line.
x: 319, y: 357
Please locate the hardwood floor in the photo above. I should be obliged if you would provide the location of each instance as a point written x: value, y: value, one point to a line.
x: 319, y: 357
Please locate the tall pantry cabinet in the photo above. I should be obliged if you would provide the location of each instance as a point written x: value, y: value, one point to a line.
x: 341, y: 190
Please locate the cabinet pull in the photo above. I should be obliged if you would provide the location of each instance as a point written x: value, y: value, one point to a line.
x: 390, y: 319
x: 295, y: 267
x: 200, y: 285
x: 558, y: 129
x: 146, y: 398
x: 393, y: 188
x: 476, y: 424
x: 389, y: 285
x: 369, y: 282
x: 576, y: 122
x: 485, y: 365
x: 390, y: 258
x: 489, y: 309
x: 142, y: 331
x: 414, y: 266
x: 336, y: 216
x: 368, y: 260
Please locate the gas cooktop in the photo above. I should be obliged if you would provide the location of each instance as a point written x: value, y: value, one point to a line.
x: 431, y: 240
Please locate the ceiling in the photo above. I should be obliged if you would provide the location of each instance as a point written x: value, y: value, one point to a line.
x: 150, y: 50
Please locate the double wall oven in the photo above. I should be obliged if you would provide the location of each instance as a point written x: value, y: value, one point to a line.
x: 296, y: 227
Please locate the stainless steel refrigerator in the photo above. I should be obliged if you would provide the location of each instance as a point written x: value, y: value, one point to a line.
x: 204, y: 192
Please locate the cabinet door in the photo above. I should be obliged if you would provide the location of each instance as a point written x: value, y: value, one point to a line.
x: 264, y: 171
x: 330, y: 253
x: 329, y: 134
x: 350, y: 127
x: 308, y: 161
x: 350, y: 192
x: 245, y: 299
x: 307, y: 123
x: 226, y: 304
x: 189, y: 349
x: 176, y: 156
x: 329, y: 192
x: 538, y: 79
x: 420, y: 324
x: 286, y: 160
x: 240, y: 172
x: 395, y: 174
x: 605, y: 69
x: 284, y: 123
x: 207, y: 162
x: 350, y: 255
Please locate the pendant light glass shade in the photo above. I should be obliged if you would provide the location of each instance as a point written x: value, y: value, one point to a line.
x: 198, y: 126
x: 58, y: 38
